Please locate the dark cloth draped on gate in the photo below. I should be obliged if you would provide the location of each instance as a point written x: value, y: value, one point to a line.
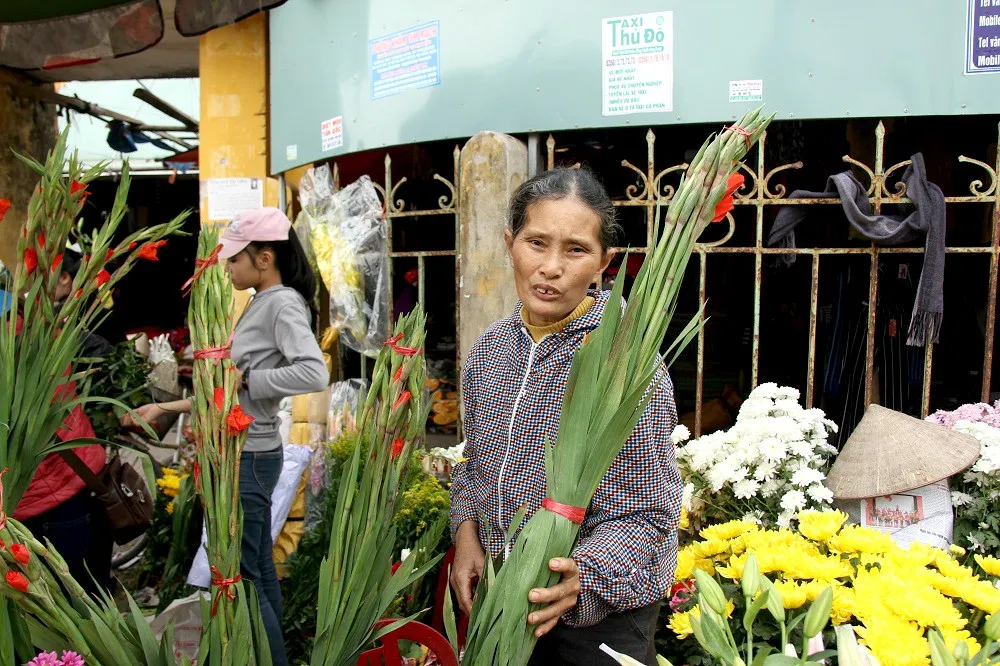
x: 926, y: 218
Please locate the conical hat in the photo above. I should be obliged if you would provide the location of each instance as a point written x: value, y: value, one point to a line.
x: 890, y: 453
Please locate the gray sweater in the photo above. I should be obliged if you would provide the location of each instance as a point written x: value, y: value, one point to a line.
x: 274, y: 341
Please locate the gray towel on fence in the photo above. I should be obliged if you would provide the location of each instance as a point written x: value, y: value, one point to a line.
x: 927, y: 219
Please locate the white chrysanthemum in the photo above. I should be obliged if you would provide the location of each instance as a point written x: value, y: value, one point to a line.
x: 820, y: 493
x: 765, y: 471
x: 746, y: 488
x: 755, y: 408
x: 720, y: 475
x: 785, y: 518
x: 793, y: 500
x: 801, y: 448
x: 766, y: 390
x: 787, y: 392
x: 753, y: 517
x: 771, y: 488
x: 788, y: 407
x: 807, y: 476
x: 773, y: 449
x: 680, y: 434
x: 960, y: 499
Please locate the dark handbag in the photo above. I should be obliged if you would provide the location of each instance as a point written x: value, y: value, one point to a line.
x: 121, y: 491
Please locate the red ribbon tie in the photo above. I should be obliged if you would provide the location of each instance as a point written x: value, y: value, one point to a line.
x: 747, y: 136
x: 215, y: 354
x: 202, y: 265
x: 574, y: 514
x: 225, y: 587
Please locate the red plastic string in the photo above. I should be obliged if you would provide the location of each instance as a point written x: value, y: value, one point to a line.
x: 747, y: 136
x: 225, y: 587
x: 215, y: 354
x: 393, y: 343
x: 574, y: 514
x: 202, y: 265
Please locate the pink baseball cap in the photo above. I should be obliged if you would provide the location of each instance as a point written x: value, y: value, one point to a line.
x: 259, y: 224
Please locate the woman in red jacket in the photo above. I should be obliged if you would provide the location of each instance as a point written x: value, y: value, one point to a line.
x: 57, y: 505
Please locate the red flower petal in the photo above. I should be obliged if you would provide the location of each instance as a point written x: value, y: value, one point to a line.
x: 148, y: 251
x: 102, y: 278
x: 30, y: 260
x: 41, y: 239
x: 56, y: 262
x: 4, y: 207
x: 111, y: 253
x: 17, y: 581
x: 131, y: 246
x: 20, y: 553
x: 79, y: 293
x: 237, y: 421
x: 397, y: 447
x: 735, y: 182
x: 220, y: 398
x: 404, y: 397
x: 398, y: 375
x: 395, y: 567
x: 77, y: 186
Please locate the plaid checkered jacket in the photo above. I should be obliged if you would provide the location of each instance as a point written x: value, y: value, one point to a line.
x: 512, y: 392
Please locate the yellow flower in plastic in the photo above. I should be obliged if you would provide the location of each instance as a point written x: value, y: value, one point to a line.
x: 710, y: 548
x: 727, y: 531
x: 820, y: 525
x: 685, y: 565
x: 792, y: 594
x: 858, y: 539
x: 990, y: 565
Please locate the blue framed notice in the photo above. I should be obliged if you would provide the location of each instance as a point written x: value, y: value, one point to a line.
x: 982, y: 49
x: 405, y: 60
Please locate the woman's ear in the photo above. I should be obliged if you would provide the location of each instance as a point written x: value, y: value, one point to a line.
x: 606, y: 260
x: 508, y: 239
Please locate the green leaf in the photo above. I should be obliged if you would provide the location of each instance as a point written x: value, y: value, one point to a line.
x: 781, y: 660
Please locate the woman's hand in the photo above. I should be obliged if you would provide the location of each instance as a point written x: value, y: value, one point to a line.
x: 147, y: 413
x: 560, y: 597
x: 470, y: 558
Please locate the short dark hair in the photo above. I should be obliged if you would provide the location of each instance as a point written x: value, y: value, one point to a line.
x: 71, y: 262
x: 560, y: 183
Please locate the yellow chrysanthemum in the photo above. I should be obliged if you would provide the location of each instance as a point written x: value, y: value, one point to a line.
x: 685, y: 522
x: 705, y: 565
x: 990, y: 565
x: 727, y: 531
x: 680, y: 623
x: 951, y: 639
x: 710, y: 548
x: 820, y: 525
x: 894, y: 641
x: 842, y: 611
x: 685, y: 565
x: 950, y: 568
x: 169, y: 471
x: 170, y: 507
x: 981, y: 594
x: 956, y: 550
x: 792, y: 594
x: 858, y: 539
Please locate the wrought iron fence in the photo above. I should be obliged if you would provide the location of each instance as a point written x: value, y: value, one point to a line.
x: 652, y: 190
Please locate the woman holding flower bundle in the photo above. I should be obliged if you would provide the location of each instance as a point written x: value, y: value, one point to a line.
x: 277, y: 355
x: 561, y: 230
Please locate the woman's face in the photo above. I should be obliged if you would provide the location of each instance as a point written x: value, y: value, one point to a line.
x: 242, y: 270
x: 556, y: 256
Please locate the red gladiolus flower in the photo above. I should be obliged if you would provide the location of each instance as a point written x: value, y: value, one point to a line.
x: 4, y: 207
x: 148, y: 251
x: 3, y: 546
x: 111, y: 253
x: 397, y: 447
x: 41, y: 240
x: 17, y: 581
x: 79, y: 293
x: 726, y: 205
x: 395, y: 567
x: 237, y: 421
x: 56, y: 262
x: 404, y: 397
x: 102, y: 278
x: 131, y: 246
x: 398, y: 375
x: 20, y: 553
x: 30, y: 260
x: 77, y: 186
x: 220, y: 398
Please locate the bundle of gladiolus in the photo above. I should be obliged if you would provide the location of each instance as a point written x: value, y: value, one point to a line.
x: 219, y: 426
x: 605, y: 397
x: 41, y: 336
x: 893, y: 596
x: 57, y: 615
x: 358, y: 580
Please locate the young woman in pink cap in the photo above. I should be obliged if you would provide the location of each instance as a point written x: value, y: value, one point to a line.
x: 275, y: 350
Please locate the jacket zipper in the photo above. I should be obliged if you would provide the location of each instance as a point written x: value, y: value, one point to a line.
x: 510, y: 442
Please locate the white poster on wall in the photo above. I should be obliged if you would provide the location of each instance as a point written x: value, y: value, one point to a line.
x: 637, y: 63
x: 331, y: 133
x: 228, y: 197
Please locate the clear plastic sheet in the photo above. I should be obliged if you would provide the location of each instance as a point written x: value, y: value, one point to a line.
x: 347, y: 239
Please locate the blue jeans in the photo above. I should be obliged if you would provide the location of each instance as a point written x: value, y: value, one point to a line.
x: 259, y: 472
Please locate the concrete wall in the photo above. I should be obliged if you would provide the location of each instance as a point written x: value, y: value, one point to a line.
x: 27, y: 127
